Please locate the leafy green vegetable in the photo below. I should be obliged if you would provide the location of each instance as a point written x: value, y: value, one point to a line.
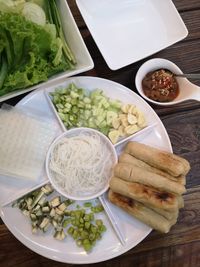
x: 3, y: 71
x: 30, y: 51
x: 55, y: 18
x: 11, y: 6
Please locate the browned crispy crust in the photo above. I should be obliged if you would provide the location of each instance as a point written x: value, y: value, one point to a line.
x: 132, y: 173
x: 139, y: 211
x: 147, y: 195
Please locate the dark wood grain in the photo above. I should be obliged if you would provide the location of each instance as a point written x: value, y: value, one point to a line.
x: 181, y: 246
x: 184, y: 5
x: 192, y: 22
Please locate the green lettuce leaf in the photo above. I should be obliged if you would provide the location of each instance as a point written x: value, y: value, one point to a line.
x: 33, y: 52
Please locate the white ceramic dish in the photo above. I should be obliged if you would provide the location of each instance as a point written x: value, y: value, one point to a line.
x: 133, y: 230
x: 128, y: 31
x: 187, y: 90
x: 146, y: 129
x: 77, y: 45
x: 107, y: 146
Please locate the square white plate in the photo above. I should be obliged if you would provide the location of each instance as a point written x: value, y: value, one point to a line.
x: 76, y: 44
x: 130, y: 30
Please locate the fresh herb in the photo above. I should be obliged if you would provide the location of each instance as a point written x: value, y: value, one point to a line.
x: 32, y: 44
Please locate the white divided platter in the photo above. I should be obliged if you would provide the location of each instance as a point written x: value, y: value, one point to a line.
x: 127, y: 31
x: 133, y: 230
x: 120, y: 141
x: 76, y: 44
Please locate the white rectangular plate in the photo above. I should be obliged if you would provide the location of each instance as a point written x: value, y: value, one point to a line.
x: 76, y: 44
x: 127, y: 31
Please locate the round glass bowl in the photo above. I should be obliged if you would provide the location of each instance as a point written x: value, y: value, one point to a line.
x: 79, y: 163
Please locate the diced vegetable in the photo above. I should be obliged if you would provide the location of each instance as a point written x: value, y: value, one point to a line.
x: 55, y: 202
x: 44, y: 223
x: 52, y: 212
x: 37, y: 199
x: 60, y: 235
x: 78, y: 107
x: 59, y: 212
x: 47, y: 189
x: 80, y: 223
x: 62, y: 207
x: 45, y: 209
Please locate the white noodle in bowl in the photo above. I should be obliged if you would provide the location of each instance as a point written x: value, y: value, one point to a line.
x: 79, y: 163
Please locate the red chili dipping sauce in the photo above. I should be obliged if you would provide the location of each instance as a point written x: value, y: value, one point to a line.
x: 160, y: 86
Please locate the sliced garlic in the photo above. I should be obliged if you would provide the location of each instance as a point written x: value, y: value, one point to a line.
x: 114, y: 136
x: 125, y: 108
x: 121, y: 131
x: 132, y: 109
x: 141, y: 120
x: 125, y: 122
x: 122, y: 116
x: 132, y: 119
x: 116, y: 123
x: 131, y: 129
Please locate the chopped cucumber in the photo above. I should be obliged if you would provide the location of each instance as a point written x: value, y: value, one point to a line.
x: 78, y: 107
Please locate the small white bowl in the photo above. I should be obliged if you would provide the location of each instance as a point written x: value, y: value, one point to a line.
x: 76, y: 132
x: 187, y: 90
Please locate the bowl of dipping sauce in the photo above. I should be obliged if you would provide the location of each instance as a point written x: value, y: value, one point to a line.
x: 79, y: 163
x: 160, y: 85
x: 157, y: 83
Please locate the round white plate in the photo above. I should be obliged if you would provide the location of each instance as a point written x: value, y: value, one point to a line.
x: 133, y: 230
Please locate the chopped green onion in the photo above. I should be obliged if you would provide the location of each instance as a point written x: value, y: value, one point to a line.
x: 80, y: 223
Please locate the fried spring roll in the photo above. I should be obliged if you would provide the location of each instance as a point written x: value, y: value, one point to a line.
x: 127, y: 158
x: 142, y: 213
x: 169, y: 162
x: 169, y: 215
x: 132, y: 173
x: 180, y: 202
x: 149, y: 196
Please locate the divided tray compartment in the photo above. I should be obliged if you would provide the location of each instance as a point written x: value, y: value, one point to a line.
x: 120, y: 143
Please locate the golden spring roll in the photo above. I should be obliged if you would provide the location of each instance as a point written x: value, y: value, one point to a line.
x: 127, y: 158
x: 149, y: 196
x: 169, y: 215
x: 132, y: 173
x: 180, y: 201
x: 169, y: 162
x: 142, y: 213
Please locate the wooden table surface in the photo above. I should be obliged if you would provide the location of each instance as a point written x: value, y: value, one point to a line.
x: 181, y: 246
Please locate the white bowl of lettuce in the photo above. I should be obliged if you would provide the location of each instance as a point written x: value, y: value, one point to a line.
x: 39, y: 44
